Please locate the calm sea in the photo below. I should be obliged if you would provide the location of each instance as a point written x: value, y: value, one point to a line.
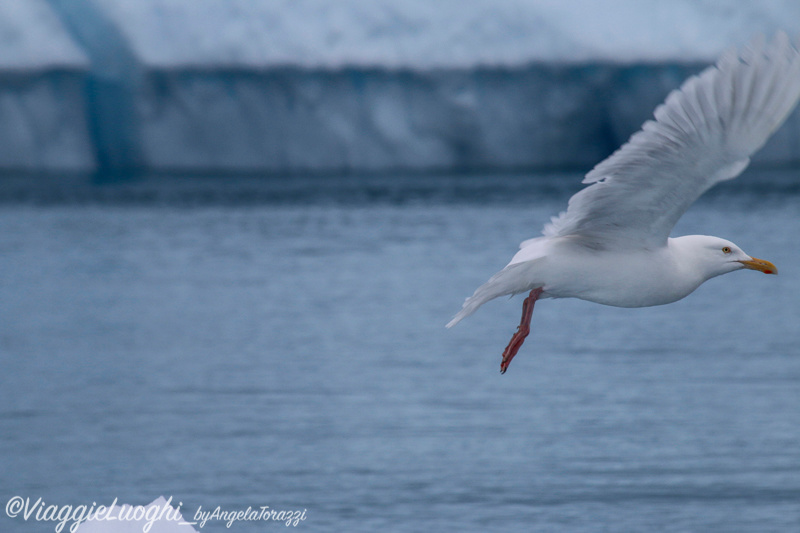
x: 249, y: 342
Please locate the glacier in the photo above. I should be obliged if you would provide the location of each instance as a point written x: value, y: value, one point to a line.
x: 288, y: 86
x: 43, y: 116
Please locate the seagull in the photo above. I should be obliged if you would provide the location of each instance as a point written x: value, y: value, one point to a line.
x: 612, y: 245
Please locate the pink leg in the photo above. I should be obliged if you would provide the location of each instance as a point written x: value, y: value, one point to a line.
x: 522, y: 331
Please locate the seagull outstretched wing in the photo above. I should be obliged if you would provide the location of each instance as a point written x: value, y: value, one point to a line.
x: 704, y: 133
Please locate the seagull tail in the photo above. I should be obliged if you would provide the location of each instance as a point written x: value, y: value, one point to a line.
x: 513, y: 279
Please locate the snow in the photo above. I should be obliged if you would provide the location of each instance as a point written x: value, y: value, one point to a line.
x: 33, y: 38
x: 420, y: 34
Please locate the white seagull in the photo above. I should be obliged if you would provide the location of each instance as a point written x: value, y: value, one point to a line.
x: 612, y: 245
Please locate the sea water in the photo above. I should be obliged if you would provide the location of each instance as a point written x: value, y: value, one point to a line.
x: 250, y: 342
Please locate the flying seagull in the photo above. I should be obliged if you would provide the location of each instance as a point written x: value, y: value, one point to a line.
x: 612, y: 245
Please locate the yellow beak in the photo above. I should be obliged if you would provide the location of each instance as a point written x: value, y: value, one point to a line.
x: 761, y: 265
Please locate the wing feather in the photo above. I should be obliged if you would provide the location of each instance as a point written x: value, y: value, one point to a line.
x: 703, y: 133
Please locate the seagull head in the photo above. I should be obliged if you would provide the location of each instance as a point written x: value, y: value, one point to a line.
x: 715, y: 256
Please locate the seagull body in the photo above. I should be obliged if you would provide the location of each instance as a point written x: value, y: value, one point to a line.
x: 612, y: 245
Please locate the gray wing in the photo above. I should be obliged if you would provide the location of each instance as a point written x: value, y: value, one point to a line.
x: 704, y: 133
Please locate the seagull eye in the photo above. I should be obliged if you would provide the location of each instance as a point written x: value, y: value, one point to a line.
x: 726, y: 249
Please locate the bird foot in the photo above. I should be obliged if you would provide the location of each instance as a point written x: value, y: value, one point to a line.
x: 523, y: 330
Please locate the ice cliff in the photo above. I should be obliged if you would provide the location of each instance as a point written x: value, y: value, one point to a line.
x: 314, y: 85
x: 43, y: 123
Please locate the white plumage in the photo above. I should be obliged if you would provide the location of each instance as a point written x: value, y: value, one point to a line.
x: 612, y: 244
